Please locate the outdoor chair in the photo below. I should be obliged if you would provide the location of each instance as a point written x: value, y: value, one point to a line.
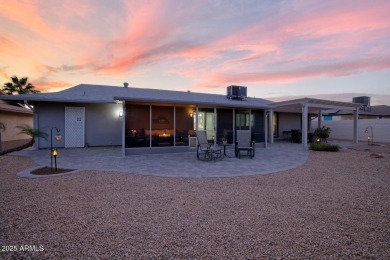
x: 206, y: 150
x: 244, y: 145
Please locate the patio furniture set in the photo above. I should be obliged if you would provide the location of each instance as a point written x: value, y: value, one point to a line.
x: 206, y: 151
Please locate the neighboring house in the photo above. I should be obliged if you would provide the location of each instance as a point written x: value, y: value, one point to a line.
x: 374, y: 121
x: 154, y: 121
x: 371, y: 112
x: 12, y: 115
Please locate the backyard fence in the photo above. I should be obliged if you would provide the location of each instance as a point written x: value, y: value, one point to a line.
x: 343, y: 129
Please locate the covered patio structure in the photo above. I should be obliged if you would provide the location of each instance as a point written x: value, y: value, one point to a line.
x: 311, y: 106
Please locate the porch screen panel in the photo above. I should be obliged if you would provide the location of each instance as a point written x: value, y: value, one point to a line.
x: 225, y: 125
x: 243, y: 121
x: 162, y: 126
x: 206, y: 122
x: 137, y: 130
x: 184, y: 125
x: 258, y: 125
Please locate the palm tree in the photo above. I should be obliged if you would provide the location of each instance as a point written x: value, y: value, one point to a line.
x: 19, y: 86
x: 27, y: 130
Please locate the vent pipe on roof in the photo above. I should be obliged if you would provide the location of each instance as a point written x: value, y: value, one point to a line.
x: 126, y: 85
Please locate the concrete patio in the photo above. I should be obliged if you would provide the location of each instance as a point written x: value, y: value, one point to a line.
x: 277, y: 157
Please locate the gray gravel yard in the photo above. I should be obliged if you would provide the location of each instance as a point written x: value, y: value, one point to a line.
x: 336, y: 206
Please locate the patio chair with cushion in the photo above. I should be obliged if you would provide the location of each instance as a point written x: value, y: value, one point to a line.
x: 206, y: 150
x: 244, y: 145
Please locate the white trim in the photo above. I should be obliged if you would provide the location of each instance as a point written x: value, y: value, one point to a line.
x: 304, y: 124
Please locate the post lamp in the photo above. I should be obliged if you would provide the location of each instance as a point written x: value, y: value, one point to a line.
x: 54, y: 153
x: 318, y: 140
x: 370, y: 137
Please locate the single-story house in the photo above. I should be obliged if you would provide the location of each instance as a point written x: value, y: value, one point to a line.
x: 153, y: 120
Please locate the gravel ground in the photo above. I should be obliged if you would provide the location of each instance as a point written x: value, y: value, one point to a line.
x: 336, y: 206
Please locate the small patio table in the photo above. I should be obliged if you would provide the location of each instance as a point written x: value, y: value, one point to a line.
x: 224, y: 149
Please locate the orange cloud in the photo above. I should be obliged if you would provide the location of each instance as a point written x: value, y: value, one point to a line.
x: 51, y: 86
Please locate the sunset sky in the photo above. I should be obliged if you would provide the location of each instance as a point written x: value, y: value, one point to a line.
x: 279, y: 49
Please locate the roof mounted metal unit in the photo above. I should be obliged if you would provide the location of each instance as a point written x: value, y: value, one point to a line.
x: 365, y: 101
x: 236, y: 92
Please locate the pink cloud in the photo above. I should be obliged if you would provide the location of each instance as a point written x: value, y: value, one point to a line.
x: 335, y: 69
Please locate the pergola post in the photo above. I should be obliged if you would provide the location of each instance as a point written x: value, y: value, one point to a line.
x: 270, y: 126
x: 123, y: 128
x: 304, y: 124
x: 234, y: 125
x: 320, y: 118
x: 355, y: 125
x: 215, y: 126
x: 265, y: 128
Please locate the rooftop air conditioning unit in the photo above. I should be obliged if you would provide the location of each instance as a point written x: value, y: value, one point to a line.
x: 236, y: 92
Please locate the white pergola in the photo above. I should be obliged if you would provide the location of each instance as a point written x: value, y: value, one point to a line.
x: 308, y: 106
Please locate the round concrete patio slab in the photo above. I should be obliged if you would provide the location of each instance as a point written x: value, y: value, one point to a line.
x: 277, y: 157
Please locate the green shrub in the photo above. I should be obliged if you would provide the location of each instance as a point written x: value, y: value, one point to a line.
x: 324, y: 147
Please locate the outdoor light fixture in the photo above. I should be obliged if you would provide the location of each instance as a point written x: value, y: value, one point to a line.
x: 318, y: 140
x: 120, y: 113
x: 191, y: 114
x: 370, y: 137
x: 58, y: 137
x: 55, y: 153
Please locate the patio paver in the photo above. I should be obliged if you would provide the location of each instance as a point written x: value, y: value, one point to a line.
x: 277, y: 157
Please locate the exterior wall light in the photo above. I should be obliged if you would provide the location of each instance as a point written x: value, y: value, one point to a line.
x: 191, y: 114
x: 120, y: 113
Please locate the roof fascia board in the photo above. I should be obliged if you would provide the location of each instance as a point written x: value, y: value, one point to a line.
x: 197, y: 103
x: 318, y: 103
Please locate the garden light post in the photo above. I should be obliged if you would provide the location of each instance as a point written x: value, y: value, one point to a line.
x: 54, y: 152
x: 370, y: 138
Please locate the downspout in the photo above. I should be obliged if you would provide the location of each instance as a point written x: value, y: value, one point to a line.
x: 35, y: 122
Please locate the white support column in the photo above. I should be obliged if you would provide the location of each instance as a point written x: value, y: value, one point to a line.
x: 36, y: 126
x: 174, y: 125
x: 355, y: 125
x: 234, y: 126
x: 197, y: 118
x: 304, y: 124
x: 270, y: 126
x: 215, y: 126
x: 150, y: 126
x: 123, y: 129
x: 265, y: 129
x: 320, y: 118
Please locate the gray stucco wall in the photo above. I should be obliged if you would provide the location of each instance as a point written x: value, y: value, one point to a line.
x: 288, y: 121
x: 102, y: 123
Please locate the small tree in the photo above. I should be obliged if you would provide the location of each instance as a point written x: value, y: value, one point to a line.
x: 27, y: 130
x: 33, y: 133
